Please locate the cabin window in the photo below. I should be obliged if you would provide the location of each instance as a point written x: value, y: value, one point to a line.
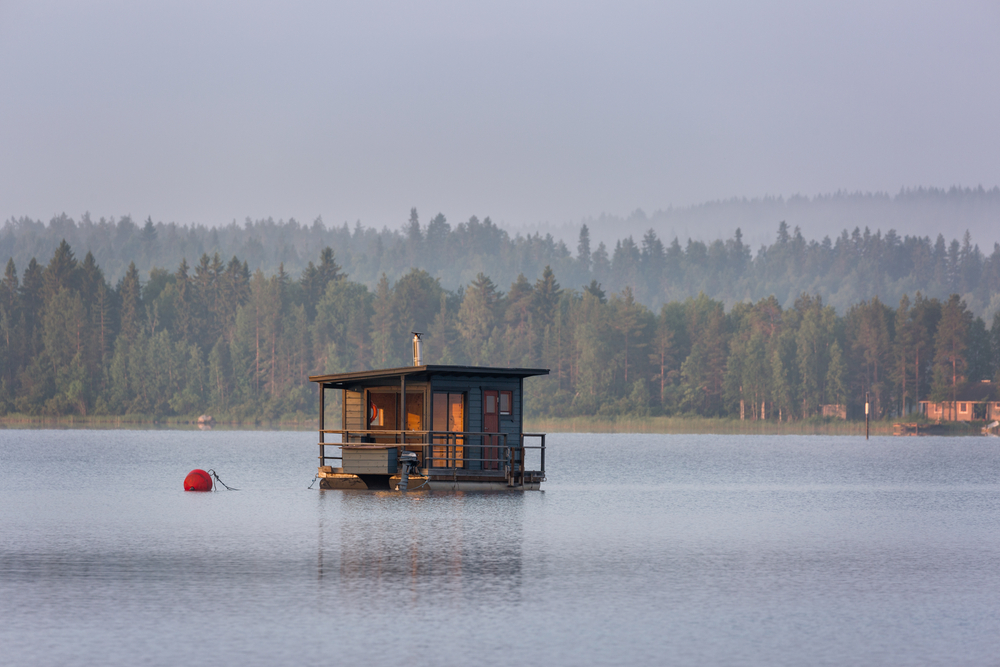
x: 506, y: 399
x: 448, y: 417
x: 382, y: 411
x: 963, y: 407
x: 384, y: 414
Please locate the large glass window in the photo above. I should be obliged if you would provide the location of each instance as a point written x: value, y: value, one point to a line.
x: 448, y: 417
x: 382, y: 411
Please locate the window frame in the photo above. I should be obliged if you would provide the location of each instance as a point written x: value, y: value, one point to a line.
x: 509, y: 395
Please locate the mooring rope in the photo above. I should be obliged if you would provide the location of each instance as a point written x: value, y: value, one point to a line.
x: 216, y: 476
x: 313, y: 482
x: 419, y: 485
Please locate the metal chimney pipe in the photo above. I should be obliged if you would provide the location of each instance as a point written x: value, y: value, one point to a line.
x: 416, y: 348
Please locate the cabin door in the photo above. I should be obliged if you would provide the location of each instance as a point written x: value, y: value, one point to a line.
x: 491, y: 424
x: 448, y: 416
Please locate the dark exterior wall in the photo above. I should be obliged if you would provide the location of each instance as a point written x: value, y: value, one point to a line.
x: 473, y: 388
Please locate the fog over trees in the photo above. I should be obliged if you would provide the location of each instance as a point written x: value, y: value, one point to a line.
x: 643, y: 328
x: 855, y: 252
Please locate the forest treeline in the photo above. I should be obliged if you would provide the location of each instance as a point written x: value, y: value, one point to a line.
x: 844, y: 269
x: 215, y: 337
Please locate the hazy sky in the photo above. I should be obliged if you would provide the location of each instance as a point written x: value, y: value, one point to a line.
x: 525, y: 111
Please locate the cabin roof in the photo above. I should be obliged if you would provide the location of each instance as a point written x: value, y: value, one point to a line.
x: 343, y: 380
x: 973, y: 392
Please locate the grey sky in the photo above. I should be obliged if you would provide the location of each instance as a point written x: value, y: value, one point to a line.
x: 528, y: 112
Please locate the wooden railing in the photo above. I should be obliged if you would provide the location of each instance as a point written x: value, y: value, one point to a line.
x: 495, y: 452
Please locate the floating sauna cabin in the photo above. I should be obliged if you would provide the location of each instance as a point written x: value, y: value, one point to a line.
x: 426, y: 427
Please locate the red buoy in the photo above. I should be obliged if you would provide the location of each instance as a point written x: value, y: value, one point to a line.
x: 198, y: 480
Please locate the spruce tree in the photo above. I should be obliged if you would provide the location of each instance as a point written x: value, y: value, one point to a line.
x: 583, y: 249
x: 132, y: 308
x: 383, y: 325
x: 949, y: 350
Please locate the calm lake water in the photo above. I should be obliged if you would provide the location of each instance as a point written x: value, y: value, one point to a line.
x: 641, y: 550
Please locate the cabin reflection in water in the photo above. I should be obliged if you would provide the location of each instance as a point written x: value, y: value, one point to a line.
x: 430, y: 427
x: 440, y: 546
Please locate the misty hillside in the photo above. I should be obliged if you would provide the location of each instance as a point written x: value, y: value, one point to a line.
x: 845, y: 248
x: 911, y: 212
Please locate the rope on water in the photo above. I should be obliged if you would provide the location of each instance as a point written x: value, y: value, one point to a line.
x: 313, y: 482
x: 216, y: 476
x: 419, y: 485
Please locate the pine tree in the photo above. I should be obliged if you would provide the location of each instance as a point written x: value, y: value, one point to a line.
x: 836, y: 376
x: 442, y: 340
x: 601, y: 264
x: 811, y: 345
x: 477, y: 317
x: 383, y: 325
x: 132, y: 309
x: 546, y: 296
x: 662, y: 353
x: 414, y: 239
x: 518, y: 321
x: 594, y: 288
x: 416, y: 299
x: 978, y: 357
x: 780, y: 385
x: 234, y: 291
x: 220, y: 375
x: 949, y: 350
x: 924, y: 318
x: 184, y: 315
x: 868, y: 331
x: 10, y: 320
x: 148, y: 239
x: 583, y: 249
x: 902, y: 344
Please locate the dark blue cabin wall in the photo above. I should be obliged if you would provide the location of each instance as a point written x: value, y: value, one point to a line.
x: 473, y: 388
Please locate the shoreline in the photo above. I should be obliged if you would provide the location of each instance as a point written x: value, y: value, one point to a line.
x: 726, y: 426
x: 663, y: 425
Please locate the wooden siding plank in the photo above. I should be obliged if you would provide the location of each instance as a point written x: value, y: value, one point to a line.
x: 354, y: 401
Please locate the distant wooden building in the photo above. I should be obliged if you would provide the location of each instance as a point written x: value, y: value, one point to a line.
x: 976, y: 401
x: 836, y: 410
x: 431, y: 427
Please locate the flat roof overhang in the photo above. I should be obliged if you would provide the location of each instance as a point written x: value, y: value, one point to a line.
x: 372, y: 378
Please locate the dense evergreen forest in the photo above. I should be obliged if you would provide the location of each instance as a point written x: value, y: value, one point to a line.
x: 214, y: 336
x: 851, y: 265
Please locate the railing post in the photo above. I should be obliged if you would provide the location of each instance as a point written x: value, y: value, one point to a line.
x: 322, y: 440
x: 543, y: 455
x: 524, y: 463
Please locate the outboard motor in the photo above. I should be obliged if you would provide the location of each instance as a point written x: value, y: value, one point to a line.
x: 407, y: 461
